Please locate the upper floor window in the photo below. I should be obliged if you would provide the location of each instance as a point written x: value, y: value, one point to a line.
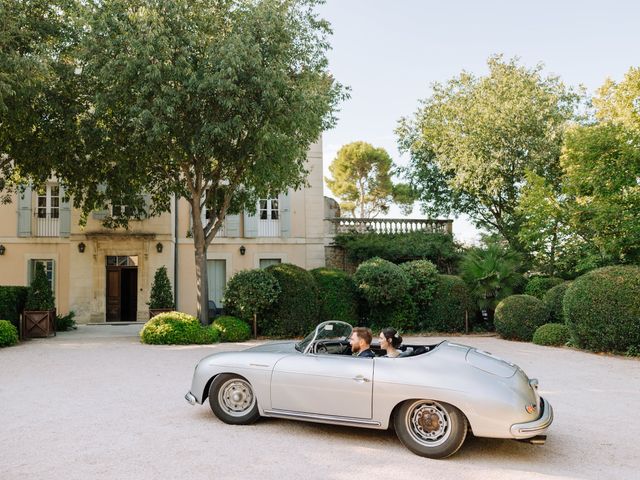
x: 48, y: 211
x: 120, y: 211
x: 269, y: 218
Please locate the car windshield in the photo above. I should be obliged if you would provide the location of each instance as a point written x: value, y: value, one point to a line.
x: 332, y: 330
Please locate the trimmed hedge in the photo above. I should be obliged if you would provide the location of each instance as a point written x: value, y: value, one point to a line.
x: 517, y: 317
x: 12, y: 302
x: 602, y: 309
x: 381, y: 282
x: 422, y: 276
x: 295, y: 312
x: 250, y: 292
x: 553, y: 334
x: 385, y: 287
x: 451, y: 301
x: 338, y: 295
x: 538, y: 286
x: 439, y: 248
x: 553, y: 300
x: 231, y: 329
x: 176, y: 328
x: 8, y: 334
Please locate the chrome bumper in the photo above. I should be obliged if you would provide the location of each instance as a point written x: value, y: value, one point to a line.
x: 190, y: 398
x: 537, y: 427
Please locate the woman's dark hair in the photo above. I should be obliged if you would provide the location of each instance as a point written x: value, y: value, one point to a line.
x: 392, y: 336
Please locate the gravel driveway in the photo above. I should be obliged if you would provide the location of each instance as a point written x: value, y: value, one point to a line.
x: 96, y: 404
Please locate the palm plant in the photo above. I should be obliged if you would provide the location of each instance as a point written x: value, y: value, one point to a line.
x: 491, y: 274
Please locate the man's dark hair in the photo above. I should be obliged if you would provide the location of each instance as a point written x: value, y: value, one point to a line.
x: 364, y: 333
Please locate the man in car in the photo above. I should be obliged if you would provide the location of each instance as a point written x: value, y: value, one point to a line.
x: 360, y: 341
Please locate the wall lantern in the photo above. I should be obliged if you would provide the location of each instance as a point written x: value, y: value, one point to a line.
x: 242, y: 250
x: 81, y: 247
x: 2, y: 249
x: 159, y: 247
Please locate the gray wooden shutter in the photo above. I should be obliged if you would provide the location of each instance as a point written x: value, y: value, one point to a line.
x: 104, y: 213
x: 65, y: 215
x: 147, y: 205
x: 284, y: 204
x: 24, y: 213
x: 232, y: 225
x: 250, y: 225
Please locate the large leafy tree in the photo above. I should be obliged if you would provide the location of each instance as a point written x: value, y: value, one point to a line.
x: 215, y: 102
x: 473, y: 140
x: 38, y: 88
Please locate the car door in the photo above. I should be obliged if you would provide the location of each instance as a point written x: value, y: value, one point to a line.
x: 339, y: 385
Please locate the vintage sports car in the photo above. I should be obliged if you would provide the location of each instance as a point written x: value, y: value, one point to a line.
x: 432, y: 394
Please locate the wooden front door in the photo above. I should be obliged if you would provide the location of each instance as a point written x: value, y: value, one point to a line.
x: 122, y: 289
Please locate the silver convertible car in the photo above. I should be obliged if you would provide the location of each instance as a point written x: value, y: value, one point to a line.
x: 432, y: 395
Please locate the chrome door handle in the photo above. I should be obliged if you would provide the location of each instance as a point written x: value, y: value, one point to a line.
x: 361, y: 379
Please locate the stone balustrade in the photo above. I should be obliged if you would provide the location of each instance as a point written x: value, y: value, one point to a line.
x: 388, y: 225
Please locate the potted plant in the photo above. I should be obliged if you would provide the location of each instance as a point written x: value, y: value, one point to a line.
x: 39, y: 311
x: 161, y: 299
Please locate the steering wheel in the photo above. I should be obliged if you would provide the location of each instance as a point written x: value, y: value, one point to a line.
x: 320, y: 348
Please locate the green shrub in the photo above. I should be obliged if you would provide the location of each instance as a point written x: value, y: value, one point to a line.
x: 553, y: 334
x: 538, y: 286
x: 385, y: 287
x: 450, y: 304
x: 40, y: 296
x: 176, y: 328
x: 65, y: 322
x: 381, y: 282
x: 602, y: 309
x: 338, y: 295
x: 250, y: 292
x: 553, y: 300
x: 295, y: 312
x: 422, y: 276
x: 439, y: 248
x: 161, y: 291
x: 8, y: 334
x: 12, y: 302
x: 518, y: 316
x: 232, y: 329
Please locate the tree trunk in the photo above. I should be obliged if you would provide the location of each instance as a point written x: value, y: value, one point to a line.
x: 202, y: 278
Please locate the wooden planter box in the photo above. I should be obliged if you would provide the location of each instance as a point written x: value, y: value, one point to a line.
x: 38, y: 323
x: 155, y: 311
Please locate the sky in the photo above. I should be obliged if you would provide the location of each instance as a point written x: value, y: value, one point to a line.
x: 389, y: 52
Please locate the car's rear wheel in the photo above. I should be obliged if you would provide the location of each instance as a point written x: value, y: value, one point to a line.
x: 232, y: 400
x: 430, y: 429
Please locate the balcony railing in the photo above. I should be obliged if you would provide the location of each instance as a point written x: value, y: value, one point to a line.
x: 389, y: 225
x: 47, y: 226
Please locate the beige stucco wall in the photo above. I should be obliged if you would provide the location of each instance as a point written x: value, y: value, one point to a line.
x: 80, y: 278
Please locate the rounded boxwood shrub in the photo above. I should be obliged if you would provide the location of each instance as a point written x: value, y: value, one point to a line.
x: 451, y: 302
x: 8, y: 334
x: 231, y: 329
x: 602, y: 309
x: 422, y: 276
x: 553, y: 334
x: 338, y: 295
x: 517, y: 317
x: 381, y: 282
x: 176, y: 328
x: 553, y: 300
x: 538, y: 286
x: 295, y: 312
x: 250, y: 292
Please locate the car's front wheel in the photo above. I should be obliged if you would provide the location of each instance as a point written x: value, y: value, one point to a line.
x: 232, y: 400
x: 430, y: 429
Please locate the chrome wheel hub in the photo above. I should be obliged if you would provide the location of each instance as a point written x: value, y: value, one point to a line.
x: 428, y: 423
x: 236, y: 397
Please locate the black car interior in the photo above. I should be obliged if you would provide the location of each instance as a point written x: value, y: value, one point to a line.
x: 342, y: 347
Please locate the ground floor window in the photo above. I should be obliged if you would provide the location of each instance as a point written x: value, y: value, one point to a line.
x: 49, y: 269
x: 217, y: 275
x: 265, y: 262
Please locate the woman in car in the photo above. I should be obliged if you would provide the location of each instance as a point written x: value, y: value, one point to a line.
x: 390, y: 340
